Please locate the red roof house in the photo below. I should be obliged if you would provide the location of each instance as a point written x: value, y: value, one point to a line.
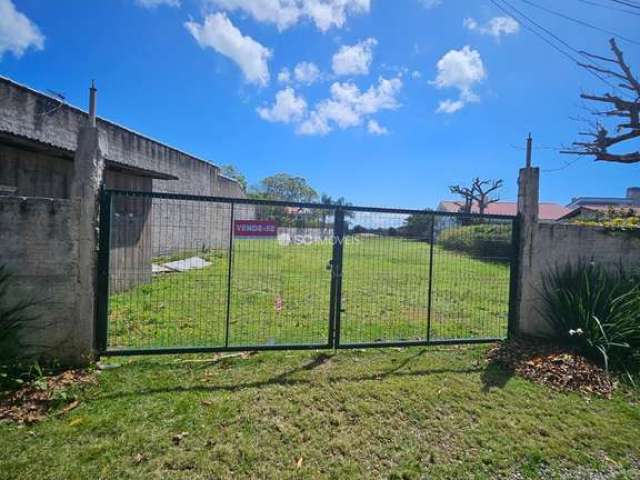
x: 548, y: 210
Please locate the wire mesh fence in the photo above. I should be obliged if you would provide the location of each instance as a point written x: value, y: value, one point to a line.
x: 184, y: 273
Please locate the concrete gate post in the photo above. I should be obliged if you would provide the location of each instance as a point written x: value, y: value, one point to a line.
x: 528, y: 213
x: 88, y: 165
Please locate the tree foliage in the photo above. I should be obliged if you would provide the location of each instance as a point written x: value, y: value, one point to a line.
x: 417, y: 226
x: 232, y: 172
x: 285, y: 187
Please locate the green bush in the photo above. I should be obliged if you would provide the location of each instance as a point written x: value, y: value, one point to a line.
x: 484, y: 241
x: 595, y: 311
x: 15, y: 316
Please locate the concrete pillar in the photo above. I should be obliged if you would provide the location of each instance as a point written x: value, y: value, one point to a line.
x: 528, y: 213
x: 85, y: 188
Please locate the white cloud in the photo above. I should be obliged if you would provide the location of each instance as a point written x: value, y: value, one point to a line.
x: 354, y: 59
x: 157, y: 3
x: 430, y: 3
x: 460, y: 69
x: 219, y: 33
x: 286, y: 13
x: 306, y: 72
x: 416, y: 75
x: 348, y: 106
x: 284, y: 76
x: 287, y: 108
x: 496, y: 27
x: 374, y: 128
x: 17, y: 32
x: 450, y: 106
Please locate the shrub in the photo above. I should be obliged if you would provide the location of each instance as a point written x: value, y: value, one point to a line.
x: 613, y: 219
x: 595, y: 311
x: 485, y: 241
x: 15, y: 316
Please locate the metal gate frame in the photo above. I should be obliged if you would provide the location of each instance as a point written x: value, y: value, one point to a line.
x: 336, y: 263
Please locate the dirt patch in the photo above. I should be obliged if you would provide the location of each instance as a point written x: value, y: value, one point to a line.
x: 32, y: 402
x: 554, y: 366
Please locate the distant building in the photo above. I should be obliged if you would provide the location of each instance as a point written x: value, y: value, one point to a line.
x: 38, y: 142
x: 593, y: 207
x: 548, y: 210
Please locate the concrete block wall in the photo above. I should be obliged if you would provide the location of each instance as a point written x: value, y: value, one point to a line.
x: 35, y: 174
x: 556, y: 244
x: 39, y: 244
x: 545, y: 246
x: 31, y: 115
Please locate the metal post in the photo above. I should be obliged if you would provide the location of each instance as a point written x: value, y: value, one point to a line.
x: 336, y: 279
x: 513, y: 278
x: 529, y: 142
x: 92, y: 104
x: 432, y: 240
x: 102, y: 282
x: 229, y: 271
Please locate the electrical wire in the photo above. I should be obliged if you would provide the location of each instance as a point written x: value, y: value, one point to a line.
x: 627, y: 3
x: 520, y: 15
x: 580, y: 22
x: 549, y: 42
x: 610, y: 7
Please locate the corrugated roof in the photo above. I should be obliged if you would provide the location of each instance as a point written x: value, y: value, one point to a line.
x: 547, y: 210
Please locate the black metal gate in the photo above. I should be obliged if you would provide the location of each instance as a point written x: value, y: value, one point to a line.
x: 183, y: 273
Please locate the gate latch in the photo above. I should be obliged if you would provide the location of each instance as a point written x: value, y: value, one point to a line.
x: 330, y: 265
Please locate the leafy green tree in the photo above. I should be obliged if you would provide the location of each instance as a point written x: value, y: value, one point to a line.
x: 232, y: 172
x: 417, y: 226
x: 283, y: 186
x: 339, y: 202
x: 288, y: 188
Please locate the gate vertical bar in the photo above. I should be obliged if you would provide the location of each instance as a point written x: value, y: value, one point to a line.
x: 229, y: 274
x: 102, y: 280
x: 431, y: 242
x: 514, y: 270
x: 336, y: 278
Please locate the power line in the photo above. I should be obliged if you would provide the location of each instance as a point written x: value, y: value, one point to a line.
x: 627, y: 3
x: 580, y: 22
x: 519, y: 14
x: 610, y: 7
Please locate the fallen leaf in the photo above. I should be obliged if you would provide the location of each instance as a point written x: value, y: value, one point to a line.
x: 299, y: 463
x: 76, y: 421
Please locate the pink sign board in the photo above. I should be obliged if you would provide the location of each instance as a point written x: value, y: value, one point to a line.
x: 255, y: 228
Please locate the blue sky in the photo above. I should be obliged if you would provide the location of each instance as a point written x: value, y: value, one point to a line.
x: 404, y: 97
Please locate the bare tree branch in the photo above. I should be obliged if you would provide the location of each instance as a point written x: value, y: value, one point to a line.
x: 479, y: 192
x: 627, y: 108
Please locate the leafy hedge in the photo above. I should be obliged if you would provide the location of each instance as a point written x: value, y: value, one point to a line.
x: 485, y: 241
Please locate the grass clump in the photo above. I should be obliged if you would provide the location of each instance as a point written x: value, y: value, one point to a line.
x: 15, y: 317
x: 596, y: 311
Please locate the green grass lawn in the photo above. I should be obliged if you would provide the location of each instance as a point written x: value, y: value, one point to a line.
x: 280, y: 295
x: 413, y: 413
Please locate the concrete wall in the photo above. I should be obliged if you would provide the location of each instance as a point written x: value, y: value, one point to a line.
x: 544, y: 246
x: 189, y: 226
x: 38, y: 243
x: 28, y: 114
x: 35, y: 173
x: 558, y: 244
